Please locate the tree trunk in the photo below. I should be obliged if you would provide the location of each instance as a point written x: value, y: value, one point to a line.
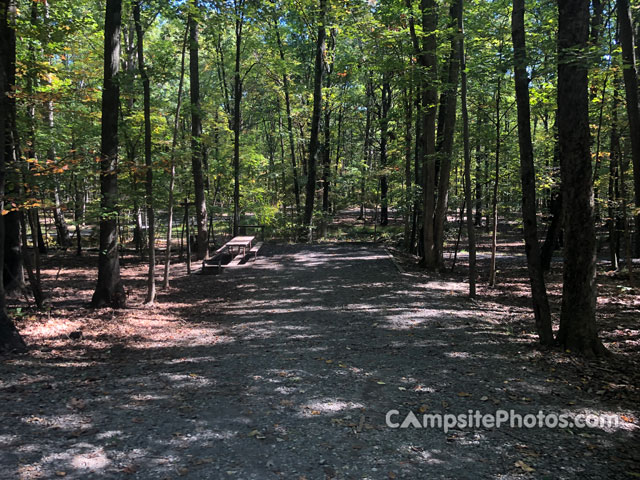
x: 172, y: 164
x: 384, y: 135
x: 467, y: 153
x: 109, y: 290
x: 496, y: 183
x: 541, y: 309
x: 292, y: 145
x: 614, y: 179
x: 10, y: 339
x: 429, y: 61
x: 237, y: 98
x: 630, y: 74
x: 408, y: 195
x: 196, y: 133
x: 326, y: 149
x: 314, y: 144
x: 151, y: 236
x: 445, y: 140
x: 578, y: 331
x: 479, y: 178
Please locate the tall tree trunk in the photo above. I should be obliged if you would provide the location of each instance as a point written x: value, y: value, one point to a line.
x: 314, y: 144
x: 10, y: 339
x: 326, y: 148
x: 578, y: 316
x: 109, y: 290
x: 172, y: 163
x: 614, y: 179
x: 367, y: 149
x: 445, y: 140
x: 467, y: 153
x: 541, y: 309
x: 13, y: 271
x: 429, y: 62
x: 479, y: 177
x: 196, y: 133
x: 496, y: 183
x: 292, y: 145
x: 151, y: 237
x: 384, y: 135
x: 408, y: 120
x: 237, y: 98
x: 630, y: 75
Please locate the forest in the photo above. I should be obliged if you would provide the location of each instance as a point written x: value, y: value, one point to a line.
x: 489, y: 150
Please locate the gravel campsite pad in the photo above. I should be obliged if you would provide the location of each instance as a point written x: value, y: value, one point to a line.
x: 287, y: 367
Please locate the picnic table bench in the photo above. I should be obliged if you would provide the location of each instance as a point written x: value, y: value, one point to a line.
x: 237, y: 248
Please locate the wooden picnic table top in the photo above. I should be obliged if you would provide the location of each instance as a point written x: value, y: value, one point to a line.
x: 241, y: 241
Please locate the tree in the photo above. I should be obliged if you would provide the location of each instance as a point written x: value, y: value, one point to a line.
x: 109, y: 290
x: 10, y: 339
x: 151, y: 282
x: 467, y: 152
x: 541, y: 307
x: 630, y: 75
x: 578, y: 331
x: 314, y: 143
x: 196, y: 133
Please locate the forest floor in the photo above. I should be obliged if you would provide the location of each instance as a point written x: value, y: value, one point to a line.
x: 286, y: 368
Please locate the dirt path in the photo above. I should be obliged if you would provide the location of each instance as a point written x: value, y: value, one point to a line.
x: 287, y: 368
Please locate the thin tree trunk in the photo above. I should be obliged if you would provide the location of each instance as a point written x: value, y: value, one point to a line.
x: 151, y: 237
x: 496, y: 182
x: 109, y: 290
x: 384, y: 135
x: 445, y: 140
x: 314, y: 144
x: 292, y: 145
x: 172, y: 164
x: 237, y: 98
x: 408, y: 116
x: 614, y: 178
x: 467, y: 154
x: 541, y: 309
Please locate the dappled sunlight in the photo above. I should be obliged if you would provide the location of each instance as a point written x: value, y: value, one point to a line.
x: 303, y: 352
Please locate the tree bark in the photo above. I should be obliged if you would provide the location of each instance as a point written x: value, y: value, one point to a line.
x: 541, y: 309
x: 445, y: 140
x: 578, y: 331
x: 151, y: 236
x: 109, y: 290
x: 630, y: 75
x: 471, y: 234
x: 496, y: 183
x: 172, y: 164
x: 196, y: 132
x: 237, y: 98
x: 292, y: 145
x: 10, y: 339
x: 384, y: 135
x: 314, y: 144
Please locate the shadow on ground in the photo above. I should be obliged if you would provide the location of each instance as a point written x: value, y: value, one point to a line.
x: 288, y: 368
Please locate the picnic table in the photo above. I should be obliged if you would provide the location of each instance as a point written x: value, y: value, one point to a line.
x: 240, y: 243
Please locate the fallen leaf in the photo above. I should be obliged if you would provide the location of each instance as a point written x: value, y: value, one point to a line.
x: 464, y: 394
x: 524, y: 467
